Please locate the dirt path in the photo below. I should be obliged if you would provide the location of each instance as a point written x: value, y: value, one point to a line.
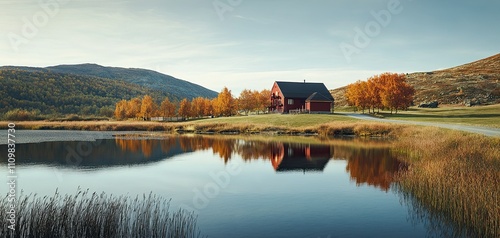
x: 494, y: 132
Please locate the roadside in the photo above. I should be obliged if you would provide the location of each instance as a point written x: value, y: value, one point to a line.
x: 493, y: 132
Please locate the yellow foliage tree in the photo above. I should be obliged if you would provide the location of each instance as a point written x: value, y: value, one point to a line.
x: 225, y: 104
x: 148, y: 108
x: 121, y: 110
x: 134, y: 108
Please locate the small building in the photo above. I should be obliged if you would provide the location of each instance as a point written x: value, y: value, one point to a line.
x: 290, y: 97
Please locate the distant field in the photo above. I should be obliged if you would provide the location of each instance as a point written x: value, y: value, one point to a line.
x: 479, y: 116
x: 286, y: 120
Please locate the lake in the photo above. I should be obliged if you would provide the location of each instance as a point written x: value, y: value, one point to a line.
x: 239, y: 186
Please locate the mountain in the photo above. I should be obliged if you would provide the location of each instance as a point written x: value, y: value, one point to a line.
x: 150, y: 79
x: 87, y: 89
x: 54, y: 93
x: 474, y: 83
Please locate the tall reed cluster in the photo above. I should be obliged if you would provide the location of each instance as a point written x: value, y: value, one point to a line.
x: 455, y: 177
x: 97, y: 215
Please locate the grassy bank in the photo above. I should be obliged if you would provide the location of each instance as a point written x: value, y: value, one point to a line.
x: 478, y: 116
x: 455, y: 176
x: 97, y: 215
x: 324, y: 125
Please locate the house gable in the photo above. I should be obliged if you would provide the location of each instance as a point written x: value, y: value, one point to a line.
x: 288, y: 96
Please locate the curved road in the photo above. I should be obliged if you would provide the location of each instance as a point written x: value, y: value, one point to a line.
x: 494, y: 132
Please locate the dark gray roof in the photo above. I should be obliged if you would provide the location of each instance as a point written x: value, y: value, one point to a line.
x: 304, y: 90
x: 318, y: 97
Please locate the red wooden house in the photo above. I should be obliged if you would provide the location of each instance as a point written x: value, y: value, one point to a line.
x: 289, y: 97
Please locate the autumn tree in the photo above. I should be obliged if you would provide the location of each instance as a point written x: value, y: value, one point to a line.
x: 395, y: 92
x: 208, y: 110
x: 167, y: 108
x: 198, y: 107
x: 134, y: 108
x: 263, y: 98
x: 185, y: 108
x: 356, y: 95
x: 225, y: 103
x: 121, y: 110
x: 248, y: 101
x: 148, y: 108
x: 387, y: 90
x: 373, y: 91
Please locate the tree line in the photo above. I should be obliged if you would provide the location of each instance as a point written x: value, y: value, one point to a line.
x: 384, y: 91
x: 225, y: 104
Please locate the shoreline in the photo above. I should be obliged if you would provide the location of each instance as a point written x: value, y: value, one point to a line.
x: 341, y: 128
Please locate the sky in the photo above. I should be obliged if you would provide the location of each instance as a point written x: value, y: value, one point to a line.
x: 249, y: 44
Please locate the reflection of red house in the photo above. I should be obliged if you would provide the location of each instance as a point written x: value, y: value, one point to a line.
x: 294, y: 157
x: 310, y: 97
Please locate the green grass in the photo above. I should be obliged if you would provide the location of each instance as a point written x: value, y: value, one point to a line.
x: 478, y: 116
x: 286, y: 120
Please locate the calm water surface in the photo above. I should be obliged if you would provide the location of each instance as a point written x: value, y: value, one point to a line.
x: 239, y: 187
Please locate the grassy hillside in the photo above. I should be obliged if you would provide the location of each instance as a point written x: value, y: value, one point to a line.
x: 476, y: 83
x: 54, y: 93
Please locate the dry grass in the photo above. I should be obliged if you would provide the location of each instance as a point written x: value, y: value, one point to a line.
x: 323, y: 125
x: 455, y: 176
x: 97, y: 215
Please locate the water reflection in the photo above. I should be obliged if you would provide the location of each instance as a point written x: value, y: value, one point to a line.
x: 301, y: 157
x: 367, y: 162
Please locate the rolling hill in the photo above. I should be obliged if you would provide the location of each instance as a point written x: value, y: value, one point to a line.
x: 86, y: 89
x: 476, y: 83
x: 147, y: 78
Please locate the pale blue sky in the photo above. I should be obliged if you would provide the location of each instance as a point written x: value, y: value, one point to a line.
x: 251, y: 43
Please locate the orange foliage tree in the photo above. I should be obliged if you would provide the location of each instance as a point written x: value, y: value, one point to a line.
x: 198, y: 107
x: 225, y: 104
x: 263, y: 98
x: 208, y: 110
x: 148, y: 108
x: 185, y: 108
x: 356, y: 95
x: 167, y: 108
x: 247, y: 101
x: 395, y: 92
x: 253, y: 100
x: 387, y: 90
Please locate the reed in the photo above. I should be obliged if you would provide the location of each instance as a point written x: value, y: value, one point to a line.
x: 97, y: 215
x: 455, y: 177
